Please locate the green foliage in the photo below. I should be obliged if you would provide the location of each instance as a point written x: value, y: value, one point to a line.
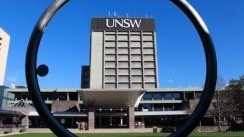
x: 236, y: 87
x: 228, y: 102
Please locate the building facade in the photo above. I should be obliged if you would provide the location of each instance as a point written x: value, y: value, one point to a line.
x: 85, y: 77
x: 4, y: 47
x: 119, y: 88
x: 158, y: 107
x: 123, y: 53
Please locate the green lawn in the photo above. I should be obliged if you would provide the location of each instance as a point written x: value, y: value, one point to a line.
x: 224, y: 134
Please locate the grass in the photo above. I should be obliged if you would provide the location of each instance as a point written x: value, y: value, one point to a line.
x: 223, y: 134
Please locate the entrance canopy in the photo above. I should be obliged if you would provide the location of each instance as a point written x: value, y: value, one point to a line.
x: 5, y: 112
x: 115, y: 98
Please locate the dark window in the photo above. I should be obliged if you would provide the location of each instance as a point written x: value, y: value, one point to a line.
x: 18, y: 96
x: 189, y: 95
x: 147, y: 106
x: 168, y: 107
x: 83, y: 108
x: 73, y: 96
x: 198, y: 95
x: 158, y: 107
x: 53, y: 96
x: 44, y: 96
x: 62, y: 96
x: 148, y: 96
x: 167, y: 96
x: 176, y: 96
x: 157, y: 96
x: 24, y: 96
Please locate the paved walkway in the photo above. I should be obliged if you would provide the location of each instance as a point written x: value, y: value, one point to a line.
x: 14, y: 133
x: 46, y: 130
x: 111, y: 130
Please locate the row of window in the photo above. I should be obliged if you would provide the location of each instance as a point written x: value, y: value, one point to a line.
x: 171, y: 95
x: 162, y: 96
x: 133, y: 85
x: 49, y: 96
x: 126, y: 57
x: 127, y: 64
x: 129, y: 32
x: 147, y: 96
x: 160, y: 107
x: 126, y: 37
x: 127, y: 78
x: 128, y: 71
x: 133, y: 44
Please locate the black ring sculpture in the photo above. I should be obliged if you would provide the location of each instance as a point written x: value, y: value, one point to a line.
x: 59, y: 130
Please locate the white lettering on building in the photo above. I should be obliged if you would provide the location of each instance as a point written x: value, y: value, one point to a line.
x: 123, y: 23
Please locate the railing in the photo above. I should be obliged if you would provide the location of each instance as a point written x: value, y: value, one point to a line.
x: 159, y: 109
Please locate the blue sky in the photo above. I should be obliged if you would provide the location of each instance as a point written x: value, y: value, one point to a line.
x: 66, y: 42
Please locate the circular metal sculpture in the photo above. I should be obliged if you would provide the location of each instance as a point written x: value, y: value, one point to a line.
x: 32, y: 70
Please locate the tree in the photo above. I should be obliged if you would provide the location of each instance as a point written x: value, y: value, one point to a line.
x: 219, y: 85
x: 216, y: 108
x: 228, y: 100
x: 236, y: 87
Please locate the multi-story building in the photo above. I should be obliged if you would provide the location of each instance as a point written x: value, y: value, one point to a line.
x: 85, y: 77
x: 159, y: 107
x: 120, y: 87
x: 4, y: 46
x: 123, y: 53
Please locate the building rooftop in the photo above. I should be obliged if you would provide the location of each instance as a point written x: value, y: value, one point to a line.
x: 45, y: 89
x: 191, y: 89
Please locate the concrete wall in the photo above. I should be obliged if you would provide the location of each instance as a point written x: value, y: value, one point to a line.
x: 96, y: 60
x: 61, y: 106
x: 5, y: 97
x: 4, y: 46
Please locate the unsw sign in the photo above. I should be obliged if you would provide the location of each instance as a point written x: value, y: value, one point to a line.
x: 123, y: 24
